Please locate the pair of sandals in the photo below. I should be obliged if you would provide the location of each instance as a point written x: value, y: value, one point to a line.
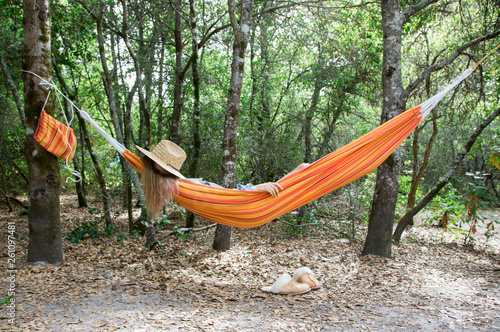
x: 303, y: 281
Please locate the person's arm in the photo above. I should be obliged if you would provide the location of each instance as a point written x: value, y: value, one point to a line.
x: 272, y: 188
x: 298, y: 168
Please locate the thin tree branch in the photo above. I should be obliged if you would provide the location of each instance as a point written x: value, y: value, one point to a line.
x: 446, y: 62
x: 18, y: 202
x: 13, y: 89
x: 414, y: 9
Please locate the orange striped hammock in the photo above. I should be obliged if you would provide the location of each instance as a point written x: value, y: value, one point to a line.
x: 247, y: 209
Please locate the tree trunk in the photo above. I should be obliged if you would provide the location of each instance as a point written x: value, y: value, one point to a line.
x: 307, y: 128
x: 445, y: 179
x: 80, y: 193
x: 196, y: 144
x: 100, y: 175
x: 45, y: 240
x: 310, y: 112
x: 222, y: 239
x: 418, y: 173
x: 160, y: 92
x: 113, y: 107
x: 4, y: 189
x: 380, y: 224
x: 146, y: 140
x: 179, y: 73
x: 264, y: 164
x: 2, y: 170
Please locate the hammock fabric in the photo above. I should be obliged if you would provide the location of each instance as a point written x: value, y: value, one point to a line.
x: 55, y: 137
x: 246, y: 209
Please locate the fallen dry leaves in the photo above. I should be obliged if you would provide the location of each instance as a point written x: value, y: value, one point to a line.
x: 104, y: 285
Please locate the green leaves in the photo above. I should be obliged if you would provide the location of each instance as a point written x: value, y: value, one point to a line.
x: 7, y: 300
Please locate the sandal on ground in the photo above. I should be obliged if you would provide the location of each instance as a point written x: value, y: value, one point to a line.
x: 306, y: 276
x: 287, y: 286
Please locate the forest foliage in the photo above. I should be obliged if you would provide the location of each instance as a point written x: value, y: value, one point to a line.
x: 312, y: 83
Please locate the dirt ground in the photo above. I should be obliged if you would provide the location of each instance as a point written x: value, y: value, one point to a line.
x: 432, y: 282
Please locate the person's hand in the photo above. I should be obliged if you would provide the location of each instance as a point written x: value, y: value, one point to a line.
x: 272, y: 188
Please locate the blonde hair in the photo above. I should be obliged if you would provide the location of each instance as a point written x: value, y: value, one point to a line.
x: 158, y: 188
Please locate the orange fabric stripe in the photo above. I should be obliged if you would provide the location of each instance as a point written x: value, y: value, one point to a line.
x: 52, y: 135
x: 248, y: 209
x: 134, y: 160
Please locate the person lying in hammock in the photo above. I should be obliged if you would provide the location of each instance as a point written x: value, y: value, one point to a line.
x: 161, y: 173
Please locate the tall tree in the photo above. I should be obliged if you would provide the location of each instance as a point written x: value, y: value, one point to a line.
x: 222, y: 239
x: 179, y: 73
x: 378, y: 239
x: 381, y: 220
x: 45, y: 240
x: 195, y: 146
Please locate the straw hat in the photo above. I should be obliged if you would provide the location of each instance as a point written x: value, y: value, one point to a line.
x: 168, y: 156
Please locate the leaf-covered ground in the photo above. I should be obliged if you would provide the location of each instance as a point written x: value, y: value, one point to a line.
x: 430, y: 283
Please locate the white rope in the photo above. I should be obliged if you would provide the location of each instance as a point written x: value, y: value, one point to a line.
x: 429, y: 104
x: 75, y: 173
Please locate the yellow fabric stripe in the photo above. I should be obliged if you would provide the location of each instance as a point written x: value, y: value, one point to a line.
x: 55, y: 137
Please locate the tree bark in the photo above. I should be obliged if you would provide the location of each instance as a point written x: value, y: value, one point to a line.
x: 418, y: 173
x: 146, y: 142
x: 445, y: 179
x: 80, y: 193
x: 100, y: 175
x: 45, y: 240
x: 264, y: 164
x: 160, y: 92
x: 381, y: 220
x: 222, y: 239
x: 179, y: 73
x: 2, y: 170
x: 307, y: 127
x: 196, y: 144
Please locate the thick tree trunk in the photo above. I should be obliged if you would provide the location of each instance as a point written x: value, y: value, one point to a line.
x: 45, y: 240
x: 380, y: 224
x: 222, y: 239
